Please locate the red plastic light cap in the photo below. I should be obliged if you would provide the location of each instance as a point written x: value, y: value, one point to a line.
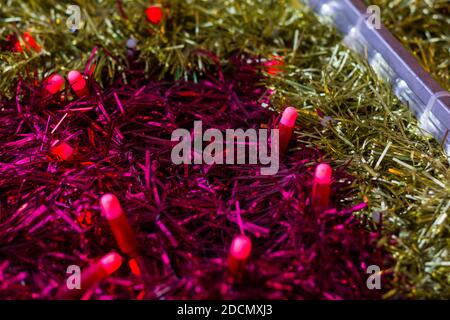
x: 320, y: 197
x: 111, y: 206
x: 63, y: 151
x: 134, y: 266
x: 30, y: 42
x: 154, y: 14
x: 76, y: 80
x: 18, y: 47
x: 323, y: 174
x: 54, y: 83
x: 241, y: 247
x: 289, y: 117
x: 275, y: 65
x: 111, y: 262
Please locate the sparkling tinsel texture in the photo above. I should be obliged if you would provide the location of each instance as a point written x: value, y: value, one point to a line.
x: 58, y: 156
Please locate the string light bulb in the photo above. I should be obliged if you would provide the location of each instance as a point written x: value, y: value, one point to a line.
x: 154, y: 14
x: 320, y: 197
x: 53, y: 84
x: 78, y: 83
x: 240, y: 250
x: 124, y: 235
x: 92, y: 275
x: 286, y: 127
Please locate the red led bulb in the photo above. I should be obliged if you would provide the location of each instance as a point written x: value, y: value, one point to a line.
x: 240, y: 250
x: 90, y: 276
x: 78, y: 83
x: 63, y: 151
x: 286, y: 127
x: 275, y: 65
x: 30, y: 42
x: 53, y: 84
x: 154, y: 14
x: 321, y: 187
x: 18, y: 47
x: 110, y: 263
x: 112, y: 210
